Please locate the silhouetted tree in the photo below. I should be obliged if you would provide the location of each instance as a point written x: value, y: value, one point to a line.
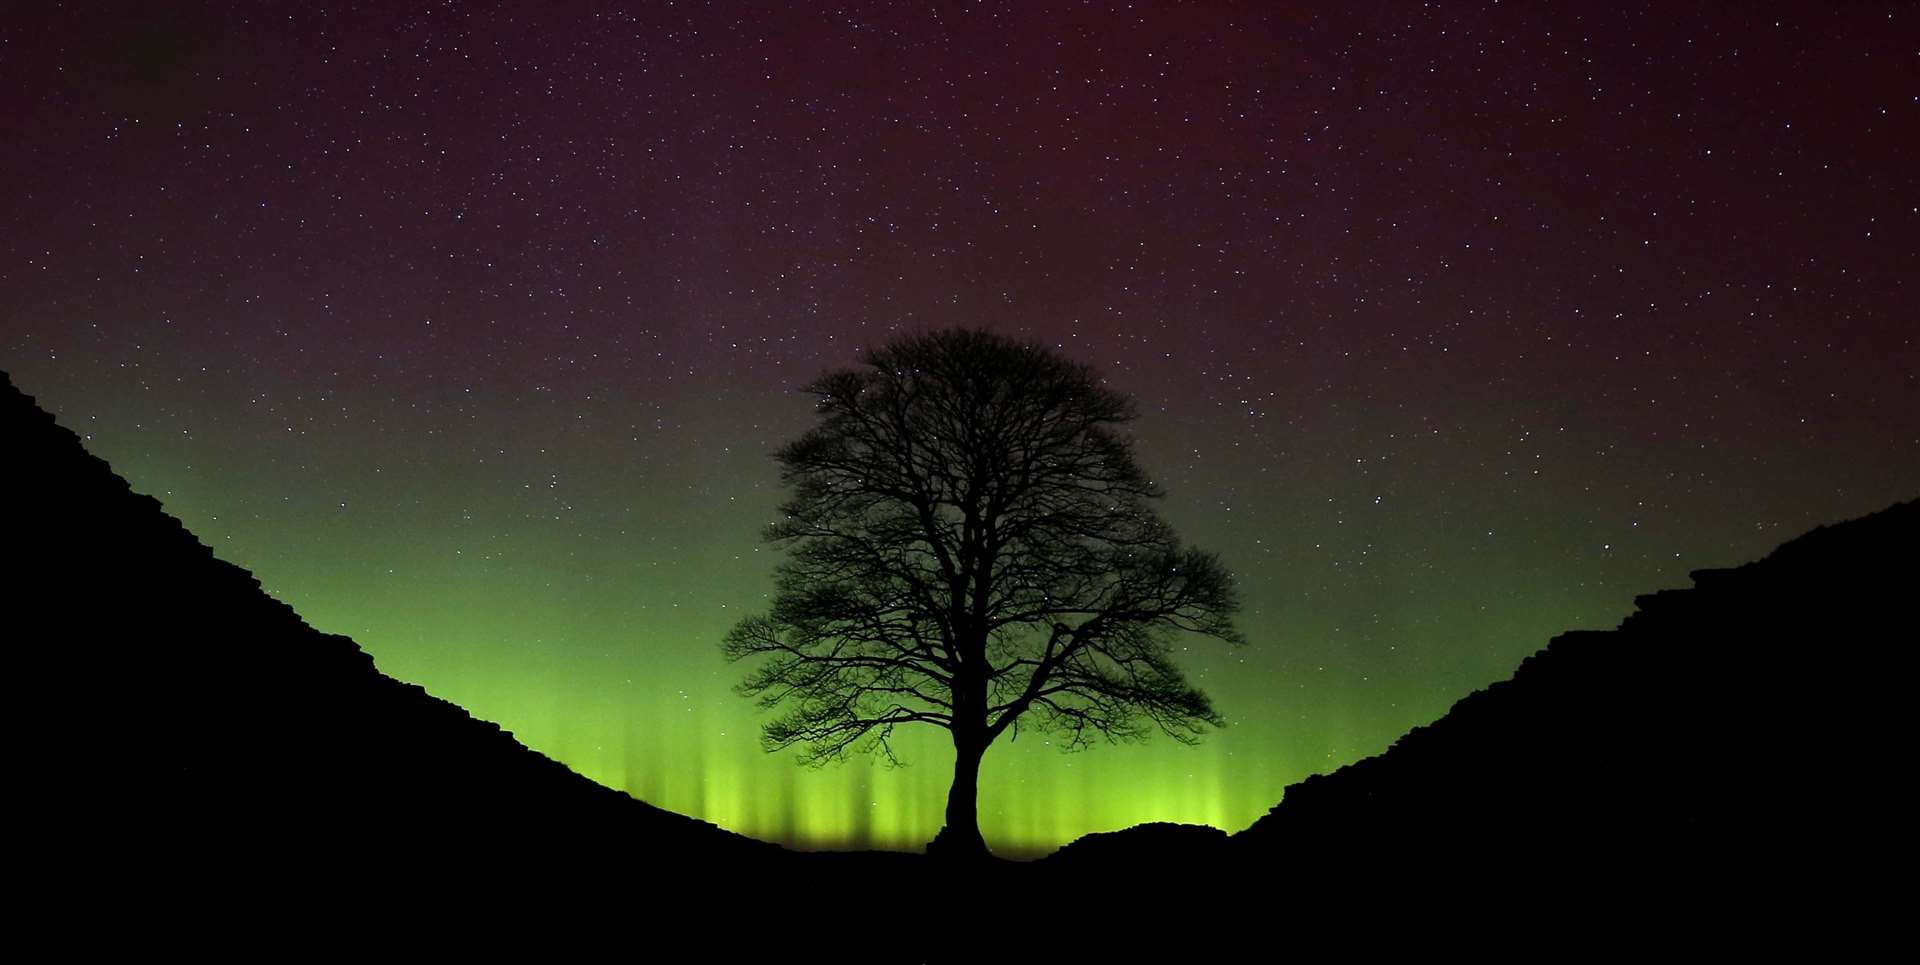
x: 971, y: 546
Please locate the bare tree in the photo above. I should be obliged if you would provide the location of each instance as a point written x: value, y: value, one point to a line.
x: 971, y: 546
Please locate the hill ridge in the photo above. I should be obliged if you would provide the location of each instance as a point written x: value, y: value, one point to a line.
x: 1687, y: 734
x: 204, y: 719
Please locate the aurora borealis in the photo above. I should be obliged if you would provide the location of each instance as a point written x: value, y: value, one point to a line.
x: 469, y: 329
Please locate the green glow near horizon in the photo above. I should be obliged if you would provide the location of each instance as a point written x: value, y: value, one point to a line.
x: 492, y: 390
x: 675, y: 735
x: 597, y: 643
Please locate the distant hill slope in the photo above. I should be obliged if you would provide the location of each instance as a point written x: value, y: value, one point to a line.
x: 165, y: 709
x: 1747, y: 730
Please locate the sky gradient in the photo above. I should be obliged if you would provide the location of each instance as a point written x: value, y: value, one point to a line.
x: 470, y: 329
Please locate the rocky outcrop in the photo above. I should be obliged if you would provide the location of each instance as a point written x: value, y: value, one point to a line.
x: 1156, y: 844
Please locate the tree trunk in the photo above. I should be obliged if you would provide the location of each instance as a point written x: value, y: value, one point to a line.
x: 960, y: 839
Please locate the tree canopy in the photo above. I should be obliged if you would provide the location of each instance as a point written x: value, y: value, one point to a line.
x: 971, y: 545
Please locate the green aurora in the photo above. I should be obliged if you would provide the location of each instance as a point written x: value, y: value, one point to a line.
x: 588, y: 624
x: 470, y: 329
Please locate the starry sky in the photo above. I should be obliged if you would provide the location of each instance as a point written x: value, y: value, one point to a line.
x: 470, y: 328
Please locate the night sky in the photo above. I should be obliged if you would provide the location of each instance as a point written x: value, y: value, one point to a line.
x: 470, y: 329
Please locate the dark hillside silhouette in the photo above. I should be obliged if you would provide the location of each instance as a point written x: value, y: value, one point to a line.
x: 1743, y: 734
x: 172, y: 715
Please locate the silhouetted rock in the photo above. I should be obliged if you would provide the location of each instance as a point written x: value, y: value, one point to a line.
x: 1157, y: 844
x: 1738, y: 736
